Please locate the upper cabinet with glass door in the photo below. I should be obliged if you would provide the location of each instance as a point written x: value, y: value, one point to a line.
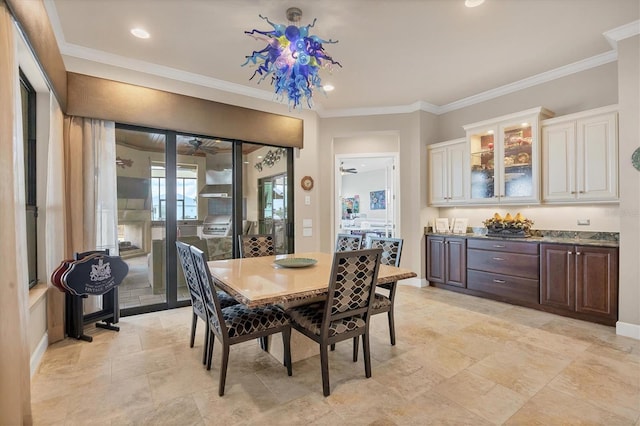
x: 504, y: 158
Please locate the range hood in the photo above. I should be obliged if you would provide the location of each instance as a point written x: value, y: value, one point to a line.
x: 216, y: 191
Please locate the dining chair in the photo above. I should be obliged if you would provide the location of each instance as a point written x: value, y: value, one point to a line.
x: 391, y: 251
x: 345, y: 312
x: 238, y: 323
x: 256, y: 245
x: 197, y: 301
x: 348, y: 242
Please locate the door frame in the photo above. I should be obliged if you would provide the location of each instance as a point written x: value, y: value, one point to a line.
x: 393, y: 194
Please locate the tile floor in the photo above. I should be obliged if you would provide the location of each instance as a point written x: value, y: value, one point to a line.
x: 459, y: 360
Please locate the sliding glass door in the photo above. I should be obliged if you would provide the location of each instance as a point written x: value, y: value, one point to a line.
x: 201, y: 190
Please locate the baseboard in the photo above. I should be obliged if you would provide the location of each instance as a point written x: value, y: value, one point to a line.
x: 414, y: 282
x: 628, y: 330
x: 37, y: 355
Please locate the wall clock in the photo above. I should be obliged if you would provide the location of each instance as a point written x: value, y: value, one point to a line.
x: 307, y: 183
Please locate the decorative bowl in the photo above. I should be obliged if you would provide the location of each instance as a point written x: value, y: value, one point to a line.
x: 295, y: 262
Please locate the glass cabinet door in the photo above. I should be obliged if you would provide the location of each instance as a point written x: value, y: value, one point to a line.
x: 483, y: 147
x: 517, y: 160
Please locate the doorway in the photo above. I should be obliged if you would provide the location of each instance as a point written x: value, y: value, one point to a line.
x: 367, y: 197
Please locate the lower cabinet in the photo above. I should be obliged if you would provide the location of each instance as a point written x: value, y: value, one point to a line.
x: 578, y: 281
x: 507, y: 270
x: 581, y: 280
x: 446, y: 260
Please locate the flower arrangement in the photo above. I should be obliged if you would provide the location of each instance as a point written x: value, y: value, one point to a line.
x: 508, y: 225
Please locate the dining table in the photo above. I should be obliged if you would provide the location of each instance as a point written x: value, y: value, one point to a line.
x: 259, y: 281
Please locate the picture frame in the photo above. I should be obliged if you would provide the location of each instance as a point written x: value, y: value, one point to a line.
x: 441, y: 225
x: 460, y: 225
x: 378, y: 200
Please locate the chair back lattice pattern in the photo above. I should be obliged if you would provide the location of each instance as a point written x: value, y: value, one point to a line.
x: 348, y: 242
x: 191, y: 277
x: 256, y: 245
x: 210, y: 296
x: 391, y: 249
x: 353, y: 278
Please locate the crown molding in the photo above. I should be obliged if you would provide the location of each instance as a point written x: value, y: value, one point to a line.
x: 563, y: 71
x: 613, y: 36
x: 620, y: 33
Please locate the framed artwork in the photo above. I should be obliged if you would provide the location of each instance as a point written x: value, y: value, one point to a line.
x: 460, y: 225
x: 442, y: 225
x: 378, y: 200
x: 350, y: 205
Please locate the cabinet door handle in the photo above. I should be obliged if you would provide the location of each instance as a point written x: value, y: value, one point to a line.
x: 498, y: 246
x: 499, y: 281
x: 573, y: 192
x: 569, y: 253
x: 578, y: 253
x: 582, y: 192
x: 498, y: 258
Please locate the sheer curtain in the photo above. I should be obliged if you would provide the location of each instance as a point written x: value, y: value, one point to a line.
x: 55, y: 224
x: 15, y: 404
x: 90, y: 187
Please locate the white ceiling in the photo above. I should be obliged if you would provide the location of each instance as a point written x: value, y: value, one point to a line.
x: 436, y: 55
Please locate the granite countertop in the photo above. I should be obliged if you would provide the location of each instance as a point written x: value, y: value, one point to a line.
x: 601, y: 239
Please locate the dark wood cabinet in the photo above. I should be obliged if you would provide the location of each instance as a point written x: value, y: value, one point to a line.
x: 446, y: 260
x: 582, y: 280
x: 504, y: 270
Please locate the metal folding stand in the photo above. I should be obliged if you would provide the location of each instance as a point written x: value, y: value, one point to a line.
x: 75, y: 318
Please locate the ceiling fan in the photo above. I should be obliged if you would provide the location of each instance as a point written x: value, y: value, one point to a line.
x: 198, y: 148
x: 343, y: 170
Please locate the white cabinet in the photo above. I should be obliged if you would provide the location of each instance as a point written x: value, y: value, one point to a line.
x: 448, y: 172
x: 580, y: 157
x: 504, y: 156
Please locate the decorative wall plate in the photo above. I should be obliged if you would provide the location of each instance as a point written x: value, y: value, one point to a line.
x: 635, y: 159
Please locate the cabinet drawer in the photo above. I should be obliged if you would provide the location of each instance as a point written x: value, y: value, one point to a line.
x: 500, y: 245
x: 521, y: 265
x: 514, y: 288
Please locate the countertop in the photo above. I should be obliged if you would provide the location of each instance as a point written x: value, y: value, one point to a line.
x: 534, y: 239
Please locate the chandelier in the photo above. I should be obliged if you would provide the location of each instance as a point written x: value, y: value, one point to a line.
x: 292, y: 57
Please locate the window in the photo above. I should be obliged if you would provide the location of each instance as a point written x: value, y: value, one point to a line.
x: 28, y: 98
x: 186, y: 192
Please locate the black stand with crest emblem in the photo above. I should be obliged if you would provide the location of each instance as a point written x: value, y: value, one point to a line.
x: 92, y: 273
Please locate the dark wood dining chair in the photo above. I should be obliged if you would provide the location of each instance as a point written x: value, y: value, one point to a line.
x: 348, y: 242
x: 197, y: 300
x: 391, y: 252
x: 238, y: 323
x: 345, y: 312
x: 257, y: 245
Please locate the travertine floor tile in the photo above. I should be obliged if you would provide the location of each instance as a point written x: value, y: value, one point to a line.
x: 489, y: 400
x: 458, y: 360
x: 550, y: 407
x: 604, y: 382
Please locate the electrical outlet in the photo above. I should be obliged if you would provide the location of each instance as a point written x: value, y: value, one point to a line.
x: 584, y: 222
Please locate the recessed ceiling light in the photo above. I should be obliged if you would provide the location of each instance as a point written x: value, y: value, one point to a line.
x: 490, y: 132
x: 473, y: 3
x: 140, y: 33
x: 328, y: 87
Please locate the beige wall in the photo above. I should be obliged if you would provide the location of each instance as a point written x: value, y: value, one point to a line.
x: 585, y: 90
x: 412, y: 130
x: 629, y: 136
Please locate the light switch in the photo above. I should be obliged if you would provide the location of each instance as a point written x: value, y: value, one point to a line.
x: 307, y: 223
x: 307, y: 232
x: 307, y: 200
